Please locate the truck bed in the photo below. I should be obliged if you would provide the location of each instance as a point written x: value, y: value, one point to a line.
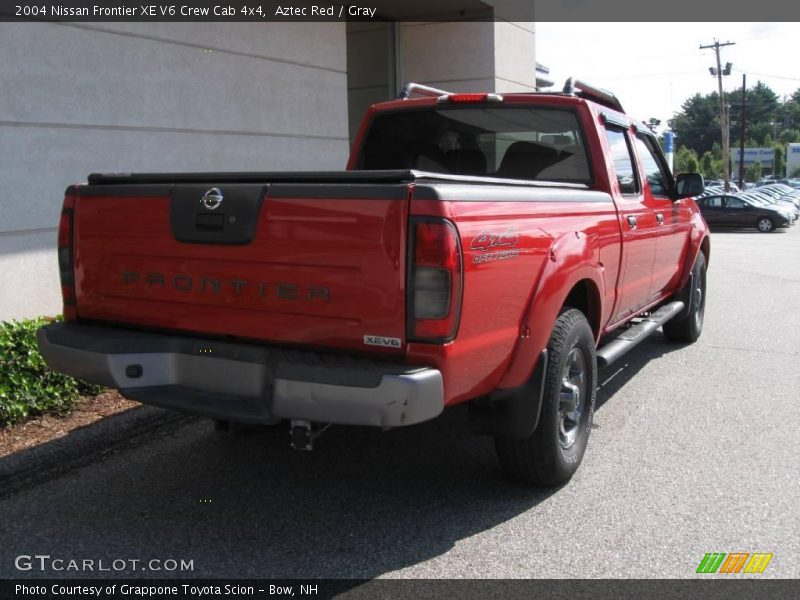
x: 314, y: 177
x: 314, y: 259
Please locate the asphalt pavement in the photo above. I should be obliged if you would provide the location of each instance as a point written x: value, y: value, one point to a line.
x: 695, y: 450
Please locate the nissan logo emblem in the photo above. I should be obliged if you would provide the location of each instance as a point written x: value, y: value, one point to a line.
x: 212, y: 198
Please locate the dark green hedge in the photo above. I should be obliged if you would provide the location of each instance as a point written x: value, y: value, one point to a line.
x: 27, y: 386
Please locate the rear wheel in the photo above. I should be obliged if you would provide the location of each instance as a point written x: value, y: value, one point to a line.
x: 554, y: 451
x: 765, y: 225
x: 689, y: 327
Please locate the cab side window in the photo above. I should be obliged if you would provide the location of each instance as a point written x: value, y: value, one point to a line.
x: 712, y: 202
x: 623, y: 160
x: 654, y: 169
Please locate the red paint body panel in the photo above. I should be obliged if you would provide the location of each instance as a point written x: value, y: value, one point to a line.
x: 356, y: 249
x: 353, y: 248
x: 503, y: 297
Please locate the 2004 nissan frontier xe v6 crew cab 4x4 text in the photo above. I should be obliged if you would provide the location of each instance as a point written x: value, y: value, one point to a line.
x: 483, y: 249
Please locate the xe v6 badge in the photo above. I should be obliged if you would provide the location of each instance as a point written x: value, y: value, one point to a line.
x: 212, y: 198
x: 386, y: 342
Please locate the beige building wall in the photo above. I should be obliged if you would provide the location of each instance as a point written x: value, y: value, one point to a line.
x: 469, y: 56
x: 115, y: 97
x: 370, y: 68
x: 493, y: 56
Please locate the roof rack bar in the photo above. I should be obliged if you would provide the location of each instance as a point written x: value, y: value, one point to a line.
x: 592, y: 92
x: 424, y: 90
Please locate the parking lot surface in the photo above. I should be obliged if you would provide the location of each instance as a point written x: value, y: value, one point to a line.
x: 695, y: 449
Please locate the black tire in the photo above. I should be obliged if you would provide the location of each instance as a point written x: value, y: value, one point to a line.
x: 765, y: 225
x: 554, y: 451
x: 686, y: 329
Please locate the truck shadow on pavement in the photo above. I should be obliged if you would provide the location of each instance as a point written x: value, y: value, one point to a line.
x: 614, y: 377
x: 364, y: 503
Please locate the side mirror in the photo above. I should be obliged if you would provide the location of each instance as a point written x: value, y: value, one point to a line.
x: 689, y: 184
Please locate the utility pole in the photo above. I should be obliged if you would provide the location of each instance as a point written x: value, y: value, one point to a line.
x: 722, y: 113
x: 741, y: 134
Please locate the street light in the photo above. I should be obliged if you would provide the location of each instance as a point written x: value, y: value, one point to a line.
x: 725, y: 71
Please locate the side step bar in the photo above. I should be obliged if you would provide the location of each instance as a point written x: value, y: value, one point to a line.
x: 637, y: 334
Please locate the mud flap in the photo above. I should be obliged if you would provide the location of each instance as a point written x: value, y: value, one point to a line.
x: 513, y: 413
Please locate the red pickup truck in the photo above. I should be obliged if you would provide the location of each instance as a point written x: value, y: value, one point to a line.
x: 483, y: 249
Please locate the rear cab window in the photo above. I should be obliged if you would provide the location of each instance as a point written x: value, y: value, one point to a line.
x: 530, y: 143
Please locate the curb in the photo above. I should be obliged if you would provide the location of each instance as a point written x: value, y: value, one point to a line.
x: 84, y: 445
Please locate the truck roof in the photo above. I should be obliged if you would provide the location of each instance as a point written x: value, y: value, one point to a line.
x: 573, y: 88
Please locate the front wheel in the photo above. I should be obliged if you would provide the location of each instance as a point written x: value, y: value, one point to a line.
x: 554, y: 451
x: 689, y: 327
x: 765, y: 225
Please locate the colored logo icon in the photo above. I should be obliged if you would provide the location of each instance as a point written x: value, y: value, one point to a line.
x: 735, y: 562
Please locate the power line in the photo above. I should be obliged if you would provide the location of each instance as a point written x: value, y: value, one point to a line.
x: 650, y: 75
x: 765, y: 75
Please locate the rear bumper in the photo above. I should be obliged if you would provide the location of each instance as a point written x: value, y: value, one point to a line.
x: 243, y: 382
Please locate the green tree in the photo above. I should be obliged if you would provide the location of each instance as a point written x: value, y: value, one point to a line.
x: 697, y: 124
x: 710, y: 166
x: 788, y: 136
x: 780, y: 162
x: 763, y: 108
x: 791, y: 113
x: 686, y: 160
x: 753, y: 172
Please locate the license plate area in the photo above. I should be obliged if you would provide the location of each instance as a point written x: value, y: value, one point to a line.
x: 216, y: 214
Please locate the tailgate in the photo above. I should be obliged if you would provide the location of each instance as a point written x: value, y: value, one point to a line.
x: 304, y: 263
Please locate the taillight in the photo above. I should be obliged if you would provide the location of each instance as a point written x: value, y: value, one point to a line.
x: 65, y: 255
x: 435, y: 280
x: 469, y: 98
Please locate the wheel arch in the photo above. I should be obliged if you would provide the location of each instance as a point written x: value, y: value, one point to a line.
x: 699, y: 241
x: 585, y: 296
x: 705, y: 248
x: 573, y: 276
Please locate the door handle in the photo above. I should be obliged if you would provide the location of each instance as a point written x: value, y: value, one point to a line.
x: 632, y: 221
x: 660, y: 218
